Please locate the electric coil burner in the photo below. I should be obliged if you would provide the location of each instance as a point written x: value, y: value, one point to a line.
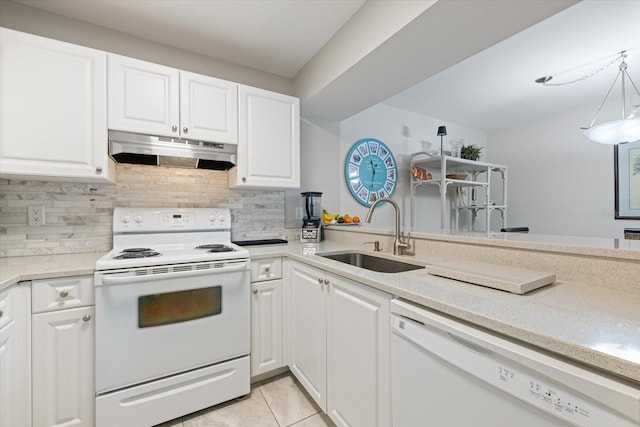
x: 172, y: 302
x: 136, y: 253
x: 216, y: 247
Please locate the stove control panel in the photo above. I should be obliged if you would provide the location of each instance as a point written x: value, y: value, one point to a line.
x: 148, y: 220
x: 177, y: 219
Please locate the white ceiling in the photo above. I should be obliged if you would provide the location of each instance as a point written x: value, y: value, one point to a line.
x: 276, y: 36
x: 495, y: 88
x: 490, y: 90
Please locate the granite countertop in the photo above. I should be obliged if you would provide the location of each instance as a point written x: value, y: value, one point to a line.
x: 587, y: 324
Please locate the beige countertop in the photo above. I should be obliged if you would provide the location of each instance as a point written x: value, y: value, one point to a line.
x: 18, y: 269
x: 584, y: 323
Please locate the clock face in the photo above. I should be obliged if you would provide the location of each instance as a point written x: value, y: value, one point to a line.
x: 370, y: 171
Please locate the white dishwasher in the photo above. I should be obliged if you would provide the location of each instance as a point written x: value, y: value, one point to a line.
x: 447, y: 374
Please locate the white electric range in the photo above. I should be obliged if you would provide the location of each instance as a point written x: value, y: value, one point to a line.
x: 172, y: 316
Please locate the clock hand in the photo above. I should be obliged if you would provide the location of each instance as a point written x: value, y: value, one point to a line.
x: 373, y: 167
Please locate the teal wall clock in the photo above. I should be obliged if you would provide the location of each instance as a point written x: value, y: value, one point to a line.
x: 370, y: 171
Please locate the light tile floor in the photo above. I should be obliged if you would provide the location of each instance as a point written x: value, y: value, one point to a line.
x: 276, y: 402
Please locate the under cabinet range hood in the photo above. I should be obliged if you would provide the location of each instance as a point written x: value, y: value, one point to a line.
x: 128, y: 147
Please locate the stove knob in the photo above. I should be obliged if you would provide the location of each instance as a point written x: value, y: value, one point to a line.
x: 126, y: 219
x: 212, y: 218
x: 138, y: 219
x: 221, y: 218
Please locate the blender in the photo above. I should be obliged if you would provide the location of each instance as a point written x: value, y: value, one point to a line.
x: 311, y: 225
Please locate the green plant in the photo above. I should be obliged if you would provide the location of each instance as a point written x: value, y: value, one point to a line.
x: 470, y: 152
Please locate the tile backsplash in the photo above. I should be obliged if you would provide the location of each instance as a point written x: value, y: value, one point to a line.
x: 78, y: 217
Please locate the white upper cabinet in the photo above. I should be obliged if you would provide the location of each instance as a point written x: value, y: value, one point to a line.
x: 53, y: 120
x: 143, y: 97
x: 208, y: 108
x: 269, y: 140
x: 153, y: 99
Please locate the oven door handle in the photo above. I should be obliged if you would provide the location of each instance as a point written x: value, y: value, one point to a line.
x: 106, y: 280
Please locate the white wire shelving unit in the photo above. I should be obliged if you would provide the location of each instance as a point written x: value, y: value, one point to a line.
x: 477, y: 179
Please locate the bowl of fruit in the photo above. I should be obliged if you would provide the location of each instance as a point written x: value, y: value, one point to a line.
x: 337, y: 219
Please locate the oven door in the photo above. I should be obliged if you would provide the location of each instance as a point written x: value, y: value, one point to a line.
x: 153, y: 322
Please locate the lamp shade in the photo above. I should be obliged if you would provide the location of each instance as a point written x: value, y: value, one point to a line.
x: 615, y: 132
x: 442, y: 130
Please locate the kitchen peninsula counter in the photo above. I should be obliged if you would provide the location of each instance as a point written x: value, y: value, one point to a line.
x: 598, y: 326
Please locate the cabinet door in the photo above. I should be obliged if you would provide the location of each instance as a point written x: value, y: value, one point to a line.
x: 208, y: 108
x: 266, y: 326
x: 53, y: 120
x: 308, y: 330
x: 143, y: 97
x: 357, y: 355
x: 63, y: 385
x: 15, y: 357
x: 269, y: 140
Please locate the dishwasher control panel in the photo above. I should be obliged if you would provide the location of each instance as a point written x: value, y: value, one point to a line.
x: 553, y: 398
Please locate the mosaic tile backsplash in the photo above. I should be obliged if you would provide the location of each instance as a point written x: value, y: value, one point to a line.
x: 78, y: 217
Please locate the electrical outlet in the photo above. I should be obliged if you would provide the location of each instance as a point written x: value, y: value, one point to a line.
x: 35, y: 215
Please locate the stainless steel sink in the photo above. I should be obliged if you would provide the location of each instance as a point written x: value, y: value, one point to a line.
x: 371, y: 262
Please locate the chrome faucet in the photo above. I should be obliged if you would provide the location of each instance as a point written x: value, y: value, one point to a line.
x: 399, y: 245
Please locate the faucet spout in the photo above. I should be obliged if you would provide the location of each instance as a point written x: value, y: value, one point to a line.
x: 399, y: 245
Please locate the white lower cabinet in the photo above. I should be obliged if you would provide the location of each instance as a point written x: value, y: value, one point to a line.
x: 266, y: 326
x: 308, y: 329
x: 15, y: 356
x: 340, y: 345
x: 266, y: 316
x: 63, y: 353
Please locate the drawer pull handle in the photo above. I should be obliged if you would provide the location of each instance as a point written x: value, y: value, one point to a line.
x: 320, y: 281
x: 86, y: 318
x: 64, y: 294
x: 326, y: 281
x: 267, y: 270
x: 1, y: 313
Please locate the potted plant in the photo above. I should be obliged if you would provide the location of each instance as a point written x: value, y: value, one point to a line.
x: 470, y: 152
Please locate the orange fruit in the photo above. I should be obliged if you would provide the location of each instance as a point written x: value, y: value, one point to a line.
x: 348, y: 220
x: 356, y: 219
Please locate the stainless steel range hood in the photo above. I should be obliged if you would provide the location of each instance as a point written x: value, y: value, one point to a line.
x: 128, y: 147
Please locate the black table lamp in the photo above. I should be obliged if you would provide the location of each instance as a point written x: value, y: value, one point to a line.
x: 442, y: 131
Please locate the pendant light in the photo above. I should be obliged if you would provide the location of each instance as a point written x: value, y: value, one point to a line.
x: 627, y: 129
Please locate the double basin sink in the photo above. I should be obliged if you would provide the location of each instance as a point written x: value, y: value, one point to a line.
x: 371, y: 262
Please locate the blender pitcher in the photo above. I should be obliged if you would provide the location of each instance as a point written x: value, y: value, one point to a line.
x: 311, y: 225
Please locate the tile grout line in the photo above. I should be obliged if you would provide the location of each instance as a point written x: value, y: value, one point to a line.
x: 302, y: 419
x: 259, y: 387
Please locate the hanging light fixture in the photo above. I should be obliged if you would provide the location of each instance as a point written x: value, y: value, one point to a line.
x: 627, y: 129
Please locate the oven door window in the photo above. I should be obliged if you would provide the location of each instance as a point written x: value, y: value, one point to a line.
x: 180, y: 306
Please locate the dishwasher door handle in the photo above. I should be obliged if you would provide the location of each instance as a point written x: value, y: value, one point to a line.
x: 471, y: 345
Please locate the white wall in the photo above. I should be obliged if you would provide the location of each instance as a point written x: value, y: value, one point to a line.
x: 405, y: 133
x: 559, y: 181
x: 319, y: 164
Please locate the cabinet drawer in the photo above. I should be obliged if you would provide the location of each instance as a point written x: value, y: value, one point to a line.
x: 7, y: 306
x: 62, y: 293
x: 266, y: 269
